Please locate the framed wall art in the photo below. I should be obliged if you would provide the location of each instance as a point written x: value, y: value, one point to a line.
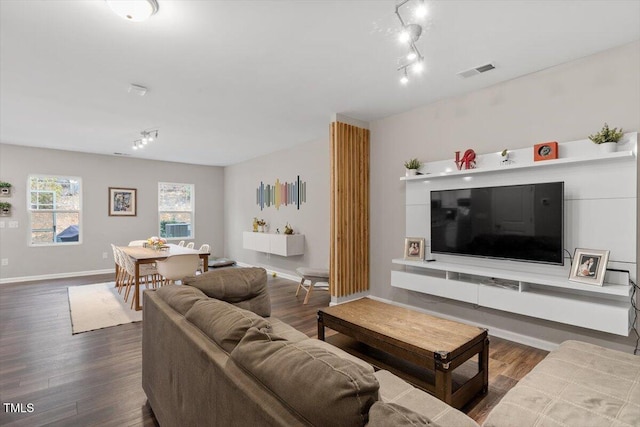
x: 414, y: 248
x: 122, y: 201
x: 589, y: 266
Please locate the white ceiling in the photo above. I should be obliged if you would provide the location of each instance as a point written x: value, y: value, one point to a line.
x: 233, y: 80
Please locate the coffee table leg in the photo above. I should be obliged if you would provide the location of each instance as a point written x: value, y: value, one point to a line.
x: 444, y: 387
x: 320, y: 326
x: 483, y: 365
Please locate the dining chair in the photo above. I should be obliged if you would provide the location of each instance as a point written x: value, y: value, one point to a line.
x: 181, y: 243
x: 121, y: 273
x: 137, y: 242
x: 191, y: 245
x: 177, y: 267
x: 205, y: 248
x: 148, y: 275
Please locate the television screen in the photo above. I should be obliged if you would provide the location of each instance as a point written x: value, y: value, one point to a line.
x: 515, y: 222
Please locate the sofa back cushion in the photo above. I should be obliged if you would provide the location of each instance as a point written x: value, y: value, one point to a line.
x: 224, y: 323
x: 321, y: 387
x: 384, y: 414
x: 243, y: 287
x: 180, y: 298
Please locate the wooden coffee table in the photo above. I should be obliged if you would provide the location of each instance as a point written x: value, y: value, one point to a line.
x: 423, y: 349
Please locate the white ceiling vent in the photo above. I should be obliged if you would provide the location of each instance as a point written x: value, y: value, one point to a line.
x: 476, y: 70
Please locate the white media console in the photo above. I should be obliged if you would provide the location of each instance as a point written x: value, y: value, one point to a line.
x: 599, y: 213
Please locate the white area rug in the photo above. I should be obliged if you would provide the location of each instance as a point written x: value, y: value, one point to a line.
x: 99, y: 306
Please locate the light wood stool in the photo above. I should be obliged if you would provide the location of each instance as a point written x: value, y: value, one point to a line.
x: 313, y: 275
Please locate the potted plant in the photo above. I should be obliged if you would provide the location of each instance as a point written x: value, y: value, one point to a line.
x: 5, y: 189
x: 607, y: 138
x: 412, y: 166
x: 5, y: 209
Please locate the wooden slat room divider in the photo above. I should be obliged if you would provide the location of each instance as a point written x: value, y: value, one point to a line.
x: 349, y: 244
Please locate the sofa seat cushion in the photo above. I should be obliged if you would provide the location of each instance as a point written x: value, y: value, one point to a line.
x: 224, y: 323
x: 319, y: 386
x: 578, y: 384
x: 397, y: 391
x: 243, y: 287
x: 384, y: 414
x: 180, y: 298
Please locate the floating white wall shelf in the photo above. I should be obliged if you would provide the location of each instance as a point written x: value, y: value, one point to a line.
x: 277, y: 244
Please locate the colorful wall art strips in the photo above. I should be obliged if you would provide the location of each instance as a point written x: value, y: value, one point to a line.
x: 278, y: 194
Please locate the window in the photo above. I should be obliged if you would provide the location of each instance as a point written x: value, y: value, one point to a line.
x: 54, y: 205
x: 175, y: 210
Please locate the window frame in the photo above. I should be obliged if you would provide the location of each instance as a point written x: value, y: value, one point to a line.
x: 192, y: 211
x: 31, y: 211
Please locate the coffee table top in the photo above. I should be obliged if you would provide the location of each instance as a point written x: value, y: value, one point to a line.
x: 429, y: 333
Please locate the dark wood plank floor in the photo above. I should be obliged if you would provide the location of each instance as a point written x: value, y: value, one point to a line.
x: 94, y: 378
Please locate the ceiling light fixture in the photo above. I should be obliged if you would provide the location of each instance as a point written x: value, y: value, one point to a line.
x: 410, y: 34
x: 147, y: 137
x: 134, y: 10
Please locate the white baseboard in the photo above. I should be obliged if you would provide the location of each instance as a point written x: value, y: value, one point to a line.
x: 493, y: 331
x: 56, y: 276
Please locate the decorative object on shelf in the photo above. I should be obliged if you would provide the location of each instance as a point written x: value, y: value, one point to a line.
x: 409, y: 35
x: 122, y: 201
x: 607, y: 138
x: 412, y: 166
x: 261, y: 224
x: 589, y: 266
x: 255, y: 224
x: 156, y: 243
x: 545, y: 151
x: 288, y: 229
x: 468, y: 160
x: 414, y: 248
x: 505, y: 160
x: 5, y: 189
x: 5, y: 209
x: 278, y: 194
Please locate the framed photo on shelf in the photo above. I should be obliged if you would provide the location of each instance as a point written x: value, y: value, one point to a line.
x: 589, y: 266
x: 122, y: 201
x: 414, y: 248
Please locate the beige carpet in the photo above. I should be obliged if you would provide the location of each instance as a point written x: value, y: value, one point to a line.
x: 99, y: 306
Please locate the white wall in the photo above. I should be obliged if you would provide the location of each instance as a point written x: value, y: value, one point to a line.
x: 98, y: 172
x: 311, y: 162
x: 563, y: 103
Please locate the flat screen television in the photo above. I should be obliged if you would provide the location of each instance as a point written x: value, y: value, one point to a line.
x: 514, y: 222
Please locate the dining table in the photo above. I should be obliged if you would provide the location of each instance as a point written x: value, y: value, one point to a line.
x: 144, y: 255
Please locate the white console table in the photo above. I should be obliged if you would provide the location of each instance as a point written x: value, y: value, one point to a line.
x: 277, y: 244
x: 545, y: 296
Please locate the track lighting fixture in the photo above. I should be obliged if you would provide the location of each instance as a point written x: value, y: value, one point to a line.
x: 147, y: 137
x: 134, y: 10
x: 410, y: 34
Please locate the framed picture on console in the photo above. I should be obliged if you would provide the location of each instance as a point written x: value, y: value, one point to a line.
x: 414, y: 248
x: 589, y: 266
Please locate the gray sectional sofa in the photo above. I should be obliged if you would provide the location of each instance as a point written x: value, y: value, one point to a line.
x: 213, y: 355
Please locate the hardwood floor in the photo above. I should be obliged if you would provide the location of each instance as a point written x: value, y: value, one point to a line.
x: 94, y: 378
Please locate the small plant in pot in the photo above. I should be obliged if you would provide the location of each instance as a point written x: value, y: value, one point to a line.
x: 412, y: 166
x: 5, y: 209
x: 607, y: 138
x: 5, y: 188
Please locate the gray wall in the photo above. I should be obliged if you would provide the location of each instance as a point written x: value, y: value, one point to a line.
x: 98, y: 172
x: 311, y: 162
x: 563, y: 103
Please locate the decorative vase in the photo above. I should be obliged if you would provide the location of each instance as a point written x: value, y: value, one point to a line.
x: 411, y: 172
x: 5, y: 191
x: 262, y: 228
x: 608, y: 147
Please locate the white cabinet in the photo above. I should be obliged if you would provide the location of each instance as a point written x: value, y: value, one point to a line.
x: 597, y: 186
x: 277, y: 244
x: 545, y: 296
